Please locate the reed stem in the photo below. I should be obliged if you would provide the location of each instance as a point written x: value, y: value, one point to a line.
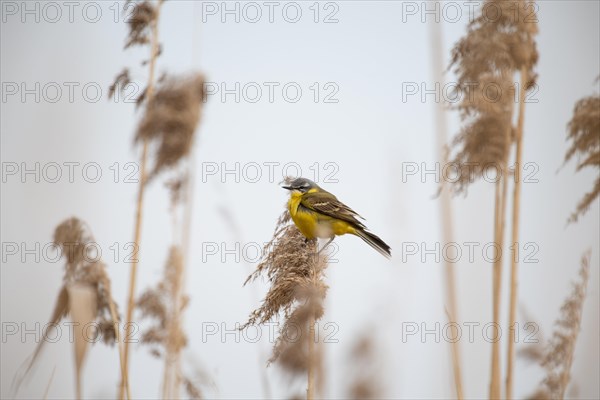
x: 140, y: 203
x: 514, y: 268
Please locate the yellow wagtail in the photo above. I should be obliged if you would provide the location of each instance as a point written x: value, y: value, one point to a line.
x: 319, y: 214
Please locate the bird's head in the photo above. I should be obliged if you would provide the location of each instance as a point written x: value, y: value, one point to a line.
x: 301, y: 185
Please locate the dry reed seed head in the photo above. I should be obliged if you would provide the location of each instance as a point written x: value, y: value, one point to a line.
x: 532, y: 352
x: 364, y: 369
x: 151, y: 304
x: 291, y: 347
x: 485, y: 60
x: 297, y: 290
x: 73, y: 237
x: 293, y: 270
x: 121, y: 81
x: 584, y: 135
x: 584, y: 127
x: 192, y: 390
x: 560, y: 350
x: 140, y: 21
x: 141, y: 98
x: 176, y: 187
x: 483, y: 146
x: 158, y: 305
x: 171, y: 118
x: 501, y: 37
x: 85, y: 293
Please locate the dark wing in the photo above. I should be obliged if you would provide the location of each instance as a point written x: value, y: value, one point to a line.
x: 327, y: 204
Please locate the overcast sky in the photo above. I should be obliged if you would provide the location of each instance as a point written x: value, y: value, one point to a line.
x: 337, y: 104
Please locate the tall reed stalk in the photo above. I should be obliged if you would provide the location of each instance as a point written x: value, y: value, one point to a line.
x: 499, y: 210
x: 499, y: 227
x: 154, y: 52
x: 514, y: 264
x: 445, y: 205
x: 491, y: 53
x: 310, y: 390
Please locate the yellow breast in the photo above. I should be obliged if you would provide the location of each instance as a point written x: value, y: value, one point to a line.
x: 306, y: 222
x: 312, y: 224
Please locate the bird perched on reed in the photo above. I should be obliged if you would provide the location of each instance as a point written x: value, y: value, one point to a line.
x: 319, y: 214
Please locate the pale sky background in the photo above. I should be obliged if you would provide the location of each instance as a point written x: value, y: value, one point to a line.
x: 367, y: 136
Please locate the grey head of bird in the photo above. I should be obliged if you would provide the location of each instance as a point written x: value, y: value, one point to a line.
x: 302, y: 185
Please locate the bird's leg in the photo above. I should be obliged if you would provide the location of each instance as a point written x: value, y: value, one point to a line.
x: 326, y: 244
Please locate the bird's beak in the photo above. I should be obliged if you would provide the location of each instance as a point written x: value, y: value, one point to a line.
x: 287, y: 187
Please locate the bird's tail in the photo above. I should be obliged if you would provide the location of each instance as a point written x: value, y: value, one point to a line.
x: 375, y: 242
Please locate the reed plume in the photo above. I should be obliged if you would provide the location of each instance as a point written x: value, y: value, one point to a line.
x: 584, y: 135
x: 488, y: 57
x: 172, y: 109
x: 559, y: 354
x: 143, y: 31
x: 364, y: 371
x: 163, y: 306
x: 524, y: 56
x: 297, y: 290
x: 171, y: 118
x: 85, y: 296
x: 170, y: 121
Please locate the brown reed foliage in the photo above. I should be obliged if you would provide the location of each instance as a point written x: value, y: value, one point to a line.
x: 559, y: 354
x: 165, y: 335
x: 493, y: 50
x: 157, y: 304
x: 484, y: 61
x: 164, y: 304
x: 364, y: 372
x: 143, y: 15
x: 120, y: 82
x: 584, y: 135
x: 171, y: 118
x: 85, y: 296
x: 143, y: 30
x: 172, y: 108
x: 297, y: 290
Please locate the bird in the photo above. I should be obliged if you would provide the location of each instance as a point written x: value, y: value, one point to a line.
x: 319, y: 214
